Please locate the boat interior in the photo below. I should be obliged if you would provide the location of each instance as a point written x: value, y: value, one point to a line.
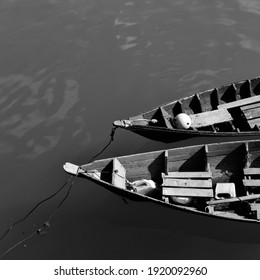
x: 222, y: 179
x: 230, y: 108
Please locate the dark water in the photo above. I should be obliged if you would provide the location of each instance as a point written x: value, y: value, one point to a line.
x: 69, y: 68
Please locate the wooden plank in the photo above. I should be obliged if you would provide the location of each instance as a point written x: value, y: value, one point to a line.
x: 118, y: 175
x: 210, y: 118
x: 250, y: 106
x: 240, y: 102
x: 138, y: 120
x: 251, y: 171
x: 254, y: 122
x: 251, y: 182
x: 187, y: 183
x: 252, y: 113
x: 234, y: 199
x: 192, y: 174
x: 188, y: 192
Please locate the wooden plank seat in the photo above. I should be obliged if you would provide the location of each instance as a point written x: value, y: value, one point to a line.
x: 187, y: 185
x: 251, y: 113
x: 251, y: 179
x: 210, y: 118
x: 251, y: 171
x: 191, y: 174
x: 240, y: 102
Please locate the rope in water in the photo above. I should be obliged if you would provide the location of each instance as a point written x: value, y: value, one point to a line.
x: 110, y: 141
x: 47, y: 223
x: 33, y: 209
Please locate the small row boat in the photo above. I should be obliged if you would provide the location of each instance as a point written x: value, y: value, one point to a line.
x: 219, y: 180
x: 228, y: 110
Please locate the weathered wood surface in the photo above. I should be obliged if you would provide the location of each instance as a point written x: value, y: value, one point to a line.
x: 210, y: 118
x: 191, y: 174
x: 188, y: 183
x: 240, y: 102
x: 251, y: 182
x: 187, y: 192
x: 254, y: 122
x: 252, y: 114
x: 234, y: 199
x: 252, y: 171
x: 138, y: 120
x: 118, y: 174
x: 251, y: 111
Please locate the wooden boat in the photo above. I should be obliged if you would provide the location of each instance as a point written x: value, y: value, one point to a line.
x: 220, y: 180
x: 229, y: 110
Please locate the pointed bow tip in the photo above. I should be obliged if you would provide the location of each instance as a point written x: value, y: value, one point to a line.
x: 71, y: 168
x: 119, y: 123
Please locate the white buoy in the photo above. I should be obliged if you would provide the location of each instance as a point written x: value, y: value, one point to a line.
x: 143, y: 186
x: 180, y: 200
x: 182, y: 121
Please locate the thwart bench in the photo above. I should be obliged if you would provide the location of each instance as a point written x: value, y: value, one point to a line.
x: 187, y: 184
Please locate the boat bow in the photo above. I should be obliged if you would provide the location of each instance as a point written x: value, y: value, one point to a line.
x: 122, y: 123
x: 72, y: 169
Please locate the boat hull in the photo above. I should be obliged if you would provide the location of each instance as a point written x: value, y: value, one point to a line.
x: 160, y: 215
x: 166, y: 135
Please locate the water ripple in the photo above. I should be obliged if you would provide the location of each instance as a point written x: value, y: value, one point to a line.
x: 251, y: 6
x: 206, y: 72
x: 34, y: 104
x: 249, y: 43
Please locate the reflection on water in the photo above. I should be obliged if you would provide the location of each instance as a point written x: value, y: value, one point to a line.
x: 30, y: 103
x: 251, y: 6
x: 69, y: 69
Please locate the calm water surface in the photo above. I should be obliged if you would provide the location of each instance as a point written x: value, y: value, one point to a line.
x: 71, y: 67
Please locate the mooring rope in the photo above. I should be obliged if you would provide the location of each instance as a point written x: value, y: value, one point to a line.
x: 33, y: 209
x: 46, y: 223
x: 112, y: 134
